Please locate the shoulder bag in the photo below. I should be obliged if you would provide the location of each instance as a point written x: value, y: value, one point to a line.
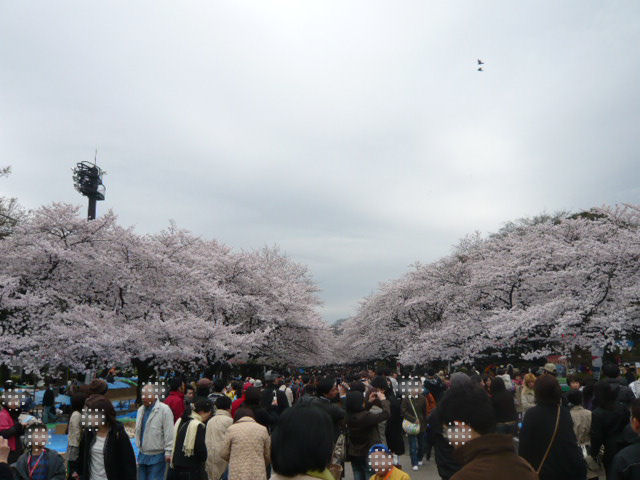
x: 411, y: 428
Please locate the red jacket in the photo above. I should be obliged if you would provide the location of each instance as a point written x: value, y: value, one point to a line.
x: 8, y: 423
x: 175, y: 400
x: 236, y: 405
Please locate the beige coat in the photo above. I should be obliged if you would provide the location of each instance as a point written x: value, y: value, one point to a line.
x: 581, y: 424
x: 214, y: 439
x: 247, y: 448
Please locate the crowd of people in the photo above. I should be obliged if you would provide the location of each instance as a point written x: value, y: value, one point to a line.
x: 501, y: 424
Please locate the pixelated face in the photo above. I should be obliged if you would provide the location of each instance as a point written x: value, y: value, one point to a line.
x: 92, y: 419
x: 410, y: 388
x: 153, y: 391
x: 38, y: 437
x: 15, y: 400
x: 380, y: 461
x: 458, y: 433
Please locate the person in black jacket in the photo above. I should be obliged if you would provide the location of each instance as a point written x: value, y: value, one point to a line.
x: 565, y: 460
x: 189, y: 449
x: 393, y: 427
x: 326, y: 396
x: 264, y: 416
x: 434, y: 385
x: 626, y: 463
x: 608, y: 421
x: 504, y: 407
x: 612, y: 376
x: 447, y: 465
x: 363, y: 431
x: 105, y: 447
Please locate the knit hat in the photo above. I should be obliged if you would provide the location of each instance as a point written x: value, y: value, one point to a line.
x: 380, y: 447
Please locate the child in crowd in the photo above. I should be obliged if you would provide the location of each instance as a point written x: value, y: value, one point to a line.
x: 38, y: 462
x: 381, y: 462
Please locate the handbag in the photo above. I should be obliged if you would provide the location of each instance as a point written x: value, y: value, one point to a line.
x: 411, y: 428
x: 339, y: 450
x: 553, y: 439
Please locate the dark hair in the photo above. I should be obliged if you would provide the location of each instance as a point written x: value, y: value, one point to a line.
x: 252, y: 397
x: 380, y: 382
x: 223, y: 402
x: 97, y: 387
x: 574, y: 397
x: 497, y: 386
x: 611, y: 370
x: 218, y: 385
x: 357, y: 387
x: 476, y: 379
x: 635, y: 408
x: 547, y: 390
x: 325, y: 385
x: 302, y: 441
x: 102, y: 403
x: 77, y: 402
x: 431, y: 372
x: 305, y: 379
x: 469, y: 404
x: 355, y: 401
x: 604, y: 394
x: 243, y: 412
x: 237, y: 386
x: 202, y: 404
x: 573, y: 378
x: 175, y: 383
x: 188, y: 386
x: 203, y: 391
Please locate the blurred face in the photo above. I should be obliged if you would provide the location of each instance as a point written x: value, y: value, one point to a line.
x: 635, y: 425
x: 189, y: 395
x: 148, y: 397
x: 530, y: 383
x: 380, y: 462
x: 333, y: 392
x: 37, y: 439
x: 574, y: 385
x: 458, y: 433
x: 93, y: 419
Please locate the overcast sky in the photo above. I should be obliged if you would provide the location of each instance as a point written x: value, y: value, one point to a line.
x: 357, y: 135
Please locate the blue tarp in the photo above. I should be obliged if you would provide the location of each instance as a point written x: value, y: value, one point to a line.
x: 60, y: 399
x: 118, y: 385
x: 59, y: 443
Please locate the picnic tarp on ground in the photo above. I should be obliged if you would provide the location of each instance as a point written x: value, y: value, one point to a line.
x: 59, y: 442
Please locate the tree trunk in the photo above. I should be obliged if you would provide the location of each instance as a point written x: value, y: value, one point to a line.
x: 144, y: 371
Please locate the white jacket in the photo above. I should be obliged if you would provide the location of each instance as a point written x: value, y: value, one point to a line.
x: 216, y: 430
x: 158, y: 432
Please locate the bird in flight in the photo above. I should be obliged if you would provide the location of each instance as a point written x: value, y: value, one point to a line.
x: 480, y: 69
x: 480, y: 62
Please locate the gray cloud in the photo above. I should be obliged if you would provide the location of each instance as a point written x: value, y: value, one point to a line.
x: 357, y: 135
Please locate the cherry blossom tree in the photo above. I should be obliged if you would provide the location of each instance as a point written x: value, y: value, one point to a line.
x: 537, y: 287
x: 75, y: 293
